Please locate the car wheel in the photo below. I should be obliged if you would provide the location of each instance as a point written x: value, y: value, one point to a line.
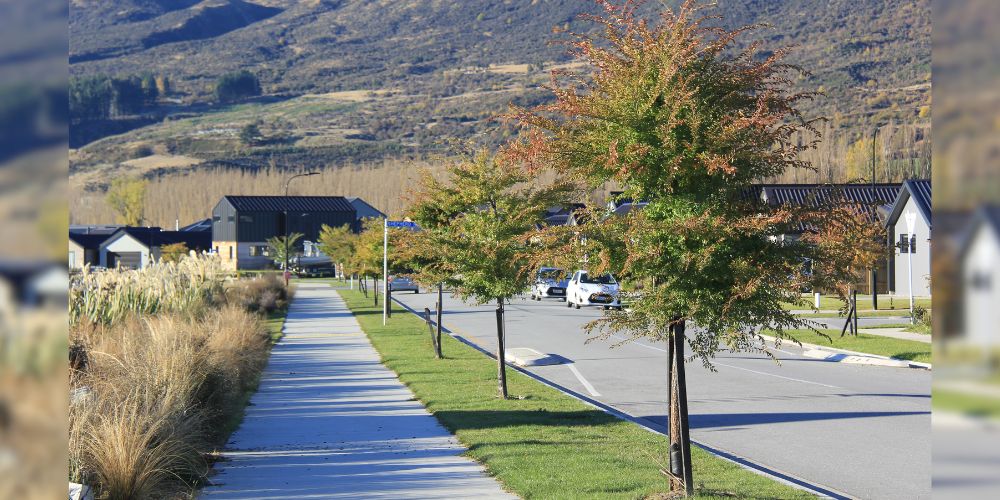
x: 577, y: 305
x: 569, y: 304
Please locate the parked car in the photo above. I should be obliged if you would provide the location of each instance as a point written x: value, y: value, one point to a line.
x: 402, y: 284
x: 318, y: 272
x: 586, y: 290
x: 550, y: 282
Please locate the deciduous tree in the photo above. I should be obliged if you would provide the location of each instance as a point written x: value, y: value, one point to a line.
x: 477, y: 229
x: 173, y: 252
x: 278, y: 244
x: 681, y: 118
x: 338, y: 243
x: 127, y: 197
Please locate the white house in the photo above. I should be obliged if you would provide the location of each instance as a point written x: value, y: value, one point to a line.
x: 979, y: 261
x: 908, y: 229
x: 137, y: 247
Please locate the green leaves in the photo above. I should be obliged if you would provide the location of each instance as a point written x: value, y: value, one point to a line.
x: 279, y: 247
x: 680, y: 118
x: 478, y: 225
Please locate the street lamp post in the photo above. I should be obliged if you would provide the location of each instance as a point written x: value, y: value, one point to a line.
x: 911, y: 220
x: 874, y: 276
x: 289, y: 180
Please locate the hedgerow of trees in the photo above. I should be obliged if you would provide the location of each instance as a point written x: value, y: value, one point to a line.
x: 235, y: 86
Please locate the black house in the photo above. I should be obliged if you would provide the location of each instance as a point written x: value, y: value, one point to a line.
x: 241, y: 225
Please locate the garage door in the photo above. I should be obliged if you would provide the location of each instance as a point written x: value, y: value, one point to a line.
x: 128, y: 260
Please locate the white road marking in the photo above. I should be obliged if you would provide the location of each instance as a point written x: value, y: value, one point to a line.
x: 590, y: 388
x: 778, y: 376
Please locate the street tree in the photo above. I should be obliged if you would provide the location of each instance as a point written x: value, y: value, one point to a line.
x: 277, y: 246
x: 127, y: 197
x: 338, y: 243
x: 680, y: 117
x: 173, y: 252
x: 477, y: 227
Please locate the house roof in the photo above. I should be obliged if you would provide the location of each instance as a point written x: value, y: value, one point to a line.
x: 868, y: 197
x: 290, y: 203
x: 201, y: 225
x: 89, y: 241
x: 920, y: 191
x: 989, y: 216
x: 364, y: 209
x: 105, y: 229
x: 154, y: 236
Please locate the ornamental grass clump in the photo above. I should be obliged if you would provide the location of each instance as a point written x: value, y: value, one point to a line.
x: 163, y: 360
x: 108, y: 296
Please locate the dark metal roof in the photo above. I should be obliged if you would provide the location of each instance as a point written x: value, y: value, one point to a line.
x: 89, y: 241
x: 154, y: 236
x: 364, y: 209
x: 202, y: 225
x: 920, y: 191
x: 989, y: 216
x: 290, y: 203
x: 817, y: 195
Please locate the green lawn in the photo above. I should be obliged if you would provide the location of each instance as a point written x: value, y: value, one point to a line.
x: 871, y: 344
x: 969, y: 404
x: 861, y: 314
x: 542, y: 443
x: 274, y: 322
x: 828, y: 302
x: 917, y: 328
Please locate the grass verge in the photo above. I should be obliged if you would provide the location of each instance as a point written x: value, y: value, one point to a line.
x: 542, y: 443
x: 898, y: 304
x: 968, y: 404
x: 872, y: 344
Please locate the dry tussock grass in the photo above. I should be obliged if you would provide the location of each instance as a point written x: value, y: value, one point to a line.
x: 155, y: 393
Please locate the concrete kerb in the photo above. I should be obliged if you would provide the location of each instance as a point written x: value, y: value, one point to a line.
x: 838, y: 359
x: 776, y: 475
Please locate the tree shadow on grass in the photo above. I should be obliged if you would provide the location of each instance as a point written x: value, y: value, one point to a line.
x: 456, y: 420
x: 910, y: 356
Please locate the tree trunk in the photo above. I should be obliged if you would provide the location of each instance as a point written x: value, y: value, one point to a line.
x: 440, y: 309
x: 680, y: 438
x: 501, y: 358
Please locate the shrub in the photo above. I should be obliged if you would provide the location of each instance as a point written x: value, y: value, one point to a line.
x: 265, y: 293
x: 155, y: 394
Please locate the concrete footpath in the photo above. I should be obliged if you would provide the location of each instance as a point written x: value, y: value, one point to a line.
x: 330, y: 421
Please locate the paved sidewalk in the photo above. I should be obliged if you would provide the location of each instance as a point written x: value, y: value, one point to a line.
x: 330, y: 421
x: 897, y: 333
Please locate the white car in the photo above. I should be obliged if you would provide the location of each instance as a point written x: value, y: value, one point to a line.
x: 587, y: 290
x: 550, y: 282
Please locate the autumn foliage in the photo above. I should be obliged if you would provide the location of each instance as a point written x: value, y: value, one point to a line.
x: 680, y: 118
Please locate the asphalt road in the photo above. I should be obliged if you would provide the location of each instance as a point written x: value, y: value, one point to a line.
x: 861, y: 431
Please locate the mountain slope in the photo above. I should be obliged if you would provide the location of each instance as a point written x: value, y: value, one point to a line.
x: 411, y: 75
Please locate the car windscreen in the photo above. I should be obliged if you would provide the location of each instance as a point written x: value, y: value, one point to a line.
x: 550, y: 274
x: 604, y: 279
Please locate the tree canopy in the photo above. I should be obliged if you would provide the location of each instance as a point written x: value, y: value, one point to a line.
x: 127, y: 197
x: 680, y: 118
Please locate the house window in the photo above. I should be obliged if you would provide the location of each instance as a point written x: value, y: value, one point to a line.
x: 230, y: 218
x: 246, y: 218
x: 230, y: 252
x: 904, y: 243
x: 72, y: 259
x: 259, y: 251
x: 913, y: 243
x: 216, y: 218
x: 981, y: 281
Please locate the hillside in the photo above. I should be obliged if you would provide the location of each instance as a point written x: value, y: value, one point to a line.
x: 348, y: 81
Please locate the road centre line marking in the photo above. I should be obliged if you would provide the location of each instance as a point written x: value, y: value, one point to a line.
x: 780, y: 376
x: 579, y: 376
